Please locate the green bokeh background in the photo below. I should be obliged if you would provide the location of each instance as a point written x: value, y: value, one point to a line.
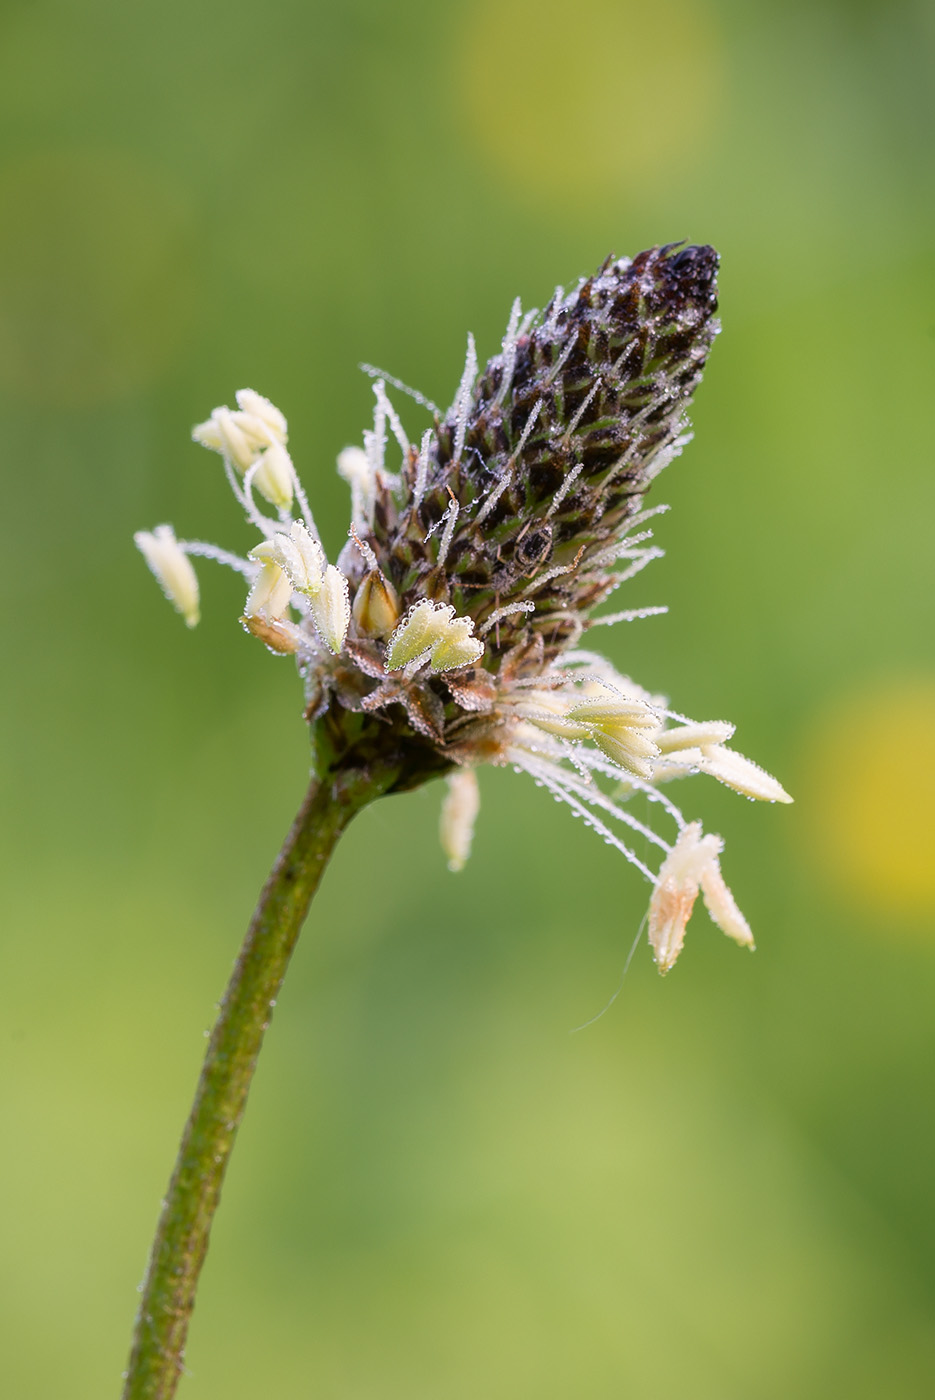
x: 721, y: 1190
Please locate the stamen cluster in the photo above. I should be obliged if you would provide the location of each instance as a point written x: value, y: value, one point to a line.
x: 449, y: 628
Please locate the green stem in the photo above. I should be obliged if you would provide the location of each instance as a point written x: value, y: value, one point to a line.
x: 181, y: 1241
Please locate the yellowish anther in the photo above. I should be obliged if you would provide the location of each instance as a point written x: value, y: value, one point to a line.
x: 623, y: 730
x: 376, y: 606
x: 431, y: 630
x: 630, y: 749
x: 688, y: 736
x: 417, y: 633
x: 172, y: 569
x: 548, y: 711
x: 609, y: 710
x: 355, y: 468
x: 253, y: 436
x: 222, y: 433
x: 457, y: 646
x: 676, y: 890
x: 301, y: 557
x: 256, y: 406
x: 693, y: 862
x: 458, y: 815
x: 280, y: 636
x: 272, y: 588
x: 741, y: 774
x: 331, y: 609
x: 722, y: 906
x: 354, y: 464
x: 274, y: 476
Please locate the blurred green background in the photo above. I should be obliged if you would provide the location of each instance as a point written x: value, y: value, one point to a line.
x: 722, y: 1189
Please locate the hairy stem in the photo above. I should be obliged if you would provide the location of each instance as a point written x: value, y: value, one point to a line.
x: 181, y: 1241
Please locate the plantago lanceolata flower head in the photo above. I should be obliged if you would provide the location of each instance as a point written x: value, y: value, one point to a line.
x: 451, y: 629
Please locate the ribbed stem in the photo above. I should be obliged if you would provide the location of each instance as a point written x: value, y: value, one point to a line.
x: 181, y: 1242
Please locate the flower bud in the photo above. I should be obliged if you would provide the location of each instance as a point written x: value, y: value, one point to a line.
x: 376, y: 606
x: 331, y: 609
x: 172, y: 569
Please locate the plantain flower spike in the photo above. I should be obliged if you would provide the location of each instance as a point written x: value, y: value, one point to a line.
x: 454, y: 628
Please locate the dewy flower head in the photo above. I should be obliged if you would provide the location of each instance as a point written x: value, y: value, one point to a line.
x: 450, y: 632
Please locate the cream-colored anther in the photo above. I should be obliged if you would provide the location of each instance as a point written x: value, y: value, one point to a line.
x: 692, y: 863
x: 331, y: 609
x: 741, y: 774
x: 623, y: 730
x: 254, y: 404
x: 274, y: 476
x: 301, y: 557
x: 272, y: 588
x: 688, y: 736
x: 458, y: 815
x: 676, y: 890
x: 172, y: 569
x: 433, y: 631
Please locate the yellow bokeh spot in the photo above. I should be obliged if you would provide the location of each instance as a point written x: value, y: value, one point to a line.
x: 574, y: 101
x: 871, y: 793
x: 96, y: 280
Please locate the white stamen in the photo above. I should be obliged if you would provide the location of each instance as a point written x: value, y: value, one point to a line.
x: 248, y: 505
x: 582, y: 410
x: 451, y: 519
x: 501, y: 613
x: 462, y: 400
x: 546, y: 777
x: 201, y: 549
x: 508, y: 350
x: 629, y: 615
x: 550, y: 324
x: 570, y: 478
x: 422, y: 468
x: 507, y: 473
x: 559, y: 365
x: 375, y: 373
x: 398, y: 431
